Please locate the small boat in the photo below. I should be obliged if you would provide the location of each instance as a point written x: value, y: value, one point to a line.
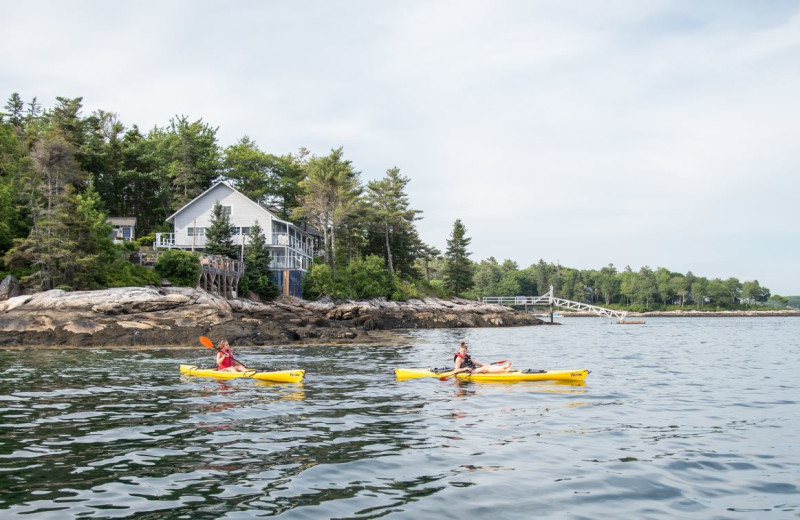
x: 516, y: 375
x: 555, y: 315
x: 278, y: 376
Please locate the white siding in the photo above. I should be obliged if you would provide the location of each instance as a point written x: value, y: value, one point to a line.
x: 290, y: 247
x: 244, y: 212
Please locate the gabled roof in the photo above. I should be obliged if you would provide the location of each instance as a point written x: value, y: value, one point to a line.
x: 122, y: 221
x: 248, y: 199
x: 310, y: 230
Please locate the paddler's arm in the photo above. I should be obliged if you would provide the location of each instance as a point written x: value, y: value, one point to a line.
x: 457, y: 369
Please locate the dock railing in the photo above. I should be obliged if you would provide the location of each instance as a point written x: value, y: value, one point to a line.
x: 549, y: 299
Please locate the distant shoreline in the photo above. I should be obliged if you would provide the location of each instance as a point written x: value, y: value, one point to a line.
x: 695, y: 314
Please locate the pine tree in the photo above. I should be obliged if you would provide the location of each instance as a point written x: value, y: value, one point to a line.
x: 69, y: 247
x: 332, y: 190
x: 458, y: 270
x: 390, y: 207
x: 256, y: 266
x: 219, y: 235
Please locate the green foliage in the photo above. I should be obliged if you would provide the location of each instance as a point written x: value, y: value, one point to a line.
x: 332, y: 190
x: 256, y: 277
x: 365, y: 278
x: 192, y: 155
x: 458, y: 275
x: 129, y: 246
x: 9, y: 219
x: 69, y: 246
x: 61, y: 171
x: 181, y: 268
x: 404, y: 291
x: 87, y: 229
x: 362, y: 278
x: 318, y: 282
x: 435, y: 288
x: 219, y: 235
x: 248, y: 167
x: 389, y: 207
x: 122, y: 273
x: 146, y: 240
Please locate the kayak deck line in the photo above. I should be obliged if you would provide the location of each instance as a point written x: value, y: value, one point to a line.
x: 516, y: 375
x: 277, y: 376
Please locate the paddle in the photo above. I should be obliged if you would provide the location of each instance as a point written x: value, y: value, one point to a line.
x: 210, y: 344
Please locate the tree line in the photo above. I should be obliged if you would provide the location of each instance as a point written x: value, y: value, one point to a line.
x: 62, y: 173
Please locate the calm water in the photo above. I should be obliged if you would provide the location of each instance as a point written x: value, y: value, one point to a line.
x: 680, y: 418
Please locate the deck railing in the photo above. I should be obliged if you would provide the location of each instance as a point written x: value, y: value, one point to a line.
x: 167, y: 241
x: 549, y: 299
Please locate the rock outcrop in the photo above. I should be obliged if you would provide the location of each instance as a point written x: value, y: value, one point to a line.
x: 139, y: 316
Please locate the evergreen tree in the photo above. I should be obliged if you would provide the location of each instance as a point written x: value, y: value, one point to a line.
x: 219, y: 235
x: 89, y: 236
x: 426, y: 254
x: 15, y: 108
x: 189, y: 155
x: 69, y: 247
x: 247, y: 166
x: 390, y: 208
x: 287, y: 173
x: 458, y: 271
x: 332, y: 191
x: 256, y: 266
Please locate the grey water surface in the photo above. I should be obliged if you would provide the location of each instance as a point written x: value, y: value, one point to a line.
x: 679, y: 418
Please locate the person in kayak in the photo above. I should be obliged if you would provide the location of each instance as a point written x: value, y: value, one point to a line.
x: 225, y: 361
x: 463, y: 362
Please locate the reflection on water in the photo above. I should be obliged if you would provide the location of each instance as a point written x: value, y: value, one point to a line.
x: 678, y: 419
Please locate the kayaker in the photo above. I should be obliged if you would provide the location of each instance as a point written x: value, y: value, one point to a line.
x: 463, y: 362
x: 225, y: 361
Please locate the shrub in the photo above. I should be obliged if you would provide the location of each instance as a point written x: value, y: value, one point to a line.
x: 181, y: 268
x: 403, y: 291
x: 367, y: 278
x: 122, y: 273
x: 318, y: 282
x: 363, y: 278
x: 146, y: 240
x: 128, y: 246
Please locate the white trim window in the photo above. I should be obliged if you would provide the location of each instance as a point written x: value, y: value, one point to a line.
x: 190, y: 231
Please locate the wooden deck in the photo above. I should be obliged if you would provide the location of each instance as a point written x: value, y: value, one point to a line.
x: 220, y: 275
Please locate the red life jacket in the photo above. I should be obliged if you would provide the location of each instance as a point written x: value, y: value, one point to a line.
x: 226, y: 361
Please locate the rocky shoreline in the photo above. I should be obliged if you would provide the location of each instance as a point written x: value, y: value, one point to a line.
x: 150, y: 316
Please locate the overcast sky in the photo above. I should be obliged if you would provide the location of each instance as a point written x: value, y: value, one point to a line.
x: 657, y: 133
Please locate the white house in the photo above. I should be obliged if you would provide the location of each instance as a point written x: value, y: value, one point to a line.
x: 291, y: 247
x: 124, y: 228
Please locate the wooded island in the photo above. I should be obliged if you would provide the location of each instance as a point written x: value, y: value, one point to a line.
x: 65, y: 177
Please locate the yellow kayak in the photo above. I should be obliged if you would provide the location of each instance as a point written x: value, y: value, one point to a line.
x: 524, y: 375
x: 279, y: 376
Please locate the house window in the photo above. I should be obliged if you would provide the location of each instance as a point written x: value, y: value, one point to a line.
x: 201, y: 232
x: 226, y: 210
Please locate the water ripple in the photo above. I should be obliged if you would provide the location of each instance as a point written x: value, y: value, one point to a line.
x: 679, y: 419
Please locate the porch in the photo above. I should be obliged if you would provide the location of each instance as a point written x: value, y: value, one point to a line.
x: 285, y: 251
